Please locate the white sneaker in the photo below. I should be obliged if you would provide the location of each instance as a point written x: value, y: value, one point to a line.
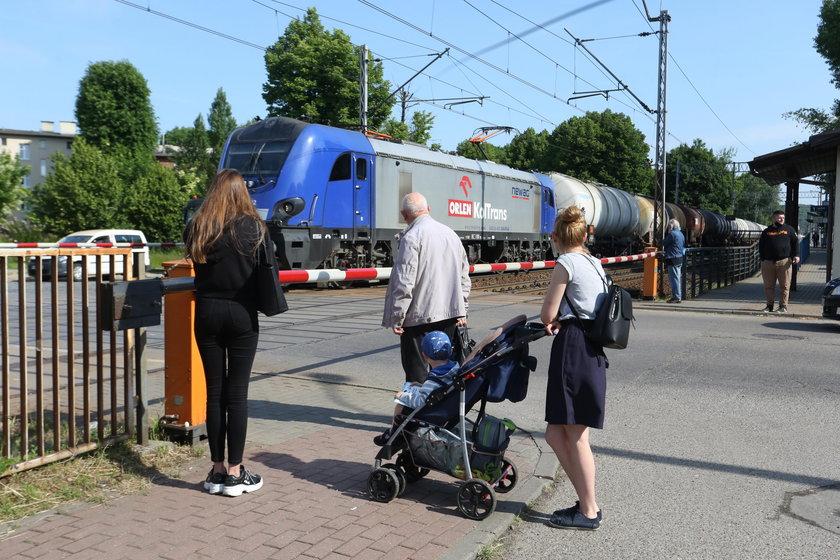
x: 244, y: 483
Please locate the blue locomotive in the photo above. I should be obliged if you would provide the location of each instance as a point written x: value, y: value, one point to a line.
x: 331, y: 199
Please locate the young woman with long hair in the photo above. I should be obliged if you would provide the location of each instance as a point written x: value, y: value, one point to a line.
x: 222, y: 239
x: 577, y: 368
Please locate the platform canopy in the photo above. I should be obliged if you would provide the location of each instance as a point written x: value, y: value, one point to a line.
x: 815, y: 156
x: 790, y: 167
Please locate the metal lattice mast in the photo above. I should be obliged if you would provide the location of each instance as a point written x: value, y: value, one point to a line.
x: 661, y: 130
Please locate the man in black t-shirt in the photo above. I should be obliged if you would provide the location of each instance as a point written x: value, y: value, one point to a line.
x: 778, y: 249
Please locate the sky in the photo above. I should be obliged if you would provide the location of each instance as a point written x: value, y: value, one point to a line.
x: 735, y: 66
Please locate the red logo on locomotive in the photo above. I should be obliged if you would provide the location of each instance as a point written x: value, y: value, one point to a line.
x: 465, y: 184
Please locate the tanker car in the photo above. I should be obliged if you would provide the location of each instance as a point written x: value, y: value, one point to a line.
x: 331, y: 199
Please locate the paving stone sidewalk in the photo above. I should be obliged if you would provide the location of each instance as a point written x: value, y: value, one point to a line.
x: 311, y: 441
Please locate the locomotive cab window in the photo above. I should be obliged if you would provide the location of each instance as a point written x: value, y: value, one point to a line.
x: 257, y: 158
x: 361, y: 169
x: 341, y: 168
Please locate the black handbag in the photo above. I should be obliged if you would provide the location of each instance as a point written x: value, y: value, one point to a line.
x: 270, y: 298
x: 611, y: 326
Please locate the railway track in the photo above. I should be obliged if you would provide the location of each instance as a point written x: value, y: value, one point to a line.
x: 527, y: 282
x: 629, y: 275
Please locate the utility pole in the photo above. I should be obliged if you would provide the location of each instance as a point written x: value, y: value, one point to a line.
x: 661, y: 129
x: 363, y: 87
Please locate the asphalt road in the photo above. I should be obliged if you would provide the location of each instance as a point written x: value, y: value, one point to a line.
x: 720, y: 439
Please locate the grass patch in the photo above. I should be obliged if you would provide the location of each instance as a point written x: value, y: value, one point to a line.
x: 119, y: 469
x: 160, y: 255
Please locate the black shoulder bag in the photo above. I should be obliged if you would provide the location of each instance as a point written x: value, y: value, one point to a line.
x: 611, y: 326
x: 270, y: 298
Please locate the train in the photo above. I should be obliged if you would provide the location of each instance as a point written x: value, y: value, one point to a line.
x: 331, y: 197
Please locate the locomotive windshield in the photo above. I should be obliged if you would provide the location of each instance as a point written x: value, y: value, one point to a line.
x: 261, y: 158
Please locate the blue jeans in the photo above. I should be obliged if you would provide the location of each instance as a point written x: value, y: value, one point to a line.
x: 674, y: 267
x: 226, y: 333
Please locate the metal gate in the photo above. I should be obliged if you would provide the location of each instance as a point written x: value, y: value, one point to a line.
x: 67, y: 385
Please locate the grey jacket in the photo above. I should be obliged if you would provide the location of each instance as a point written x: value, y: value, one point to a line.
x: 430, y: 279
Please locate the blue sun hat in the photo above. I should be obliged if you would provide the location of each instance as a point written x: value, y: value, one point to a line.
x: 436, y: 345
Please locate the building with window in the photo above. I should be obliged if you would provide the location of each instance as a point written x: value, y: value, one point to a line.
x: 34, y: 148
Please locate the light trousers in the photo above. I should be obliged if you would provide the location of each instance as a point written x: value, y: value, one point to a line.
x: 773, y: 272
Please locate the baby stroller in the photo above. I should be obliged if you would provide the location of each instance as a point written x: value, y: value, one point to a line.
x: 439, y: 436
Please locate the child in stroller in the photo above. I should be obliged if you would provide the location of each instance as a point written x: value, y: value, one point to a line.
x: 436, y: 349
x: 437, y: 435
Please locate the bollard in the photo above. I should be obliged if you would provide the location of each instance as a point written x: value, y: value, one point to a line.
x: 651, y: 282
x: 185, y: 405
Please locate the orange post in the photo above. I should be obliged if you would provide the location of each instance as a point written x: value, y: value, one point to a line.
x: 185, y: 391
x: 651, y: 283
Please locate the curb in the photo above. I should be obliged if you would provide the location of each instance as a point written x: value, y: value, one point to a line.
x: 520, y: 500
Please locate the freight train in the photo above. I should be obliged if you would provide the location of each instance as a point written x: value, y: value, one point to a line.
x: 331, y: 199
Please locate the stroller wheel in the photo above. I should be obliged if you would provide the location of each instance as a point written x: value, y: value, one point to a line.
x: 476, y: 499
x: 400, y: 477
x: 383, y: 485
x: 413, y: 473
x: 509, y: 477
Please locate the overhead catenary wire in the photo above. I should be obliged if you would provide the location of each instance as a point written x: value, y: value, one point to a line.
x: 697, y: 91
x: 261, y: 48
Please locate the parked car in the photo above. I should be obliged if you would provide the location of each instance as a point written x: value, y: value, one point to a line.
x: 831, y: 300
x: 94, y: 236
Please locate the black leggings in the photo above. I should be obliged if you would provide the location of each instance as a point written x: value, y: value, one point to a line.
x: 226, y: 332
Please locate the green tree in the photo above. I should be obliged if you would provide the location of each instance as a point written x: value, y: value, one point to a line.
x: 705, y: 180
x: 527, y: 151
x: 604, y: 147
x: 195, y: 154
x: 755, y: 200
x: 419, y: 131
x: 313, y: 74
x: 421, y: 127
x: 178, y: 135
x: 827, y: 41
x: 493, y: 153
x: 83, y: 191
x: 113, y: 109
x: 827, y: 44
x: 220, y: 123
x: 11, y: 175
x: 155, y: 202
x: 396, y: 129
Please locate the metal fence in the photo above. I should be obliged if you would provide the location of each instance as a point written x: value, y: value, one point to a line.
x: 67, y: 385
x: 710, y: 268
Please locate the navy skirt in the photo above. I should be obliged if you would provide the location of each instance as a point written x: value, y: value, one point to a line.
x: 577, y: 379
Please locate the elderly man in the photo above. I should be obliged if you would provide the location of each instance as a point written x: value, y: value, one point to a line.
x: 429, y: 285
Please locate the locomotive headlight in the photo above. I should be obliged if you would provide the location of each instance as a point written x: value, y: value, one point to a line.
x: 288, y: 207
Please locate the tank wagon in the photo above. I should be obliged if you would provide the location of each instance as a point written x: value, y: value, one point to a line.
x: 331, y: 199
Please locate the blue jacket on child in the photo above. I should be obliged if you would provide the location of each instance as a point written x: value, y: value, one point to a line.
x: 414, y: 396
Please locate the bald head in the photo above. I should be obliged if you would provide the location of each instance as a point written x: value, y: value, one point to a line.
x: 413, y: 204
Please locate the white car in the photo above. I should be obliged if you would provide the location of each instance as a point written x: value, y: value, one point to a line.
x: 94, y: 236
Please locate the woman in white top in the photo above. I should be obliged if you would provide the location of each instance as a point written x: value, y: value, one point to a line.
x: 577, y: 368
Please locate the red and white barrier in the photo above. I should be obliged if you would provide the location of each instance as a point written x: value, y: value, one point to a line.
x: 333, y: 274
x: 336, y: 275
x: 84, y: 245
